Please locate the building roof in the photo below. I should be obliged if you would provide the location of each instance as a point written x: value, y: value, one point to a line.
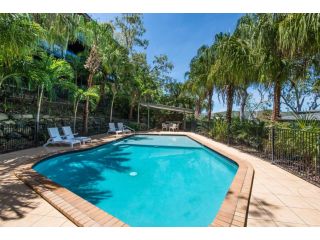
x: 168, y: 108
x: 311, y: 115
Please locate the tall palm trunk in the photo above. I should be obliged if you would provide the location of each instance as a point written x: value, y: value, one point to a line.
x: 230, y: 93
x: 138, y: 117
x: 38, y: 111
x: 276, y: 101
x: 243, y: 102
x: 197, y: 108
x: 131, y: 111
x: 86, y: 107
x: 133, y: 100
x: 102, y: 101
x: 111, y: 110
x: 75, y: 115
x: 210, y: 94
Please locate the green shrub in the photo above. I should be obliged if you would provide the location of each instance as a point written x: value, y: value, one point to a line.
x: 248, y: 132
x: 219, y: 131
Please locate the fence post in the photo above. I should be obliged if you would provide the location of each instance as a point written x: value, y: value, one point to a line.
x: 272, y: 145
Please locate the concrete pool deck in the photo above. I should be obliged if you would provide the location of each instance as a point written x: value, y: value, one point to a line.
x: 278, y: 197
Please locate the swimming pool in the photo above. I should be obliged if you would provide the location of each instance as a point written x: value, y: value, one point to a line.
x: 147, y: 180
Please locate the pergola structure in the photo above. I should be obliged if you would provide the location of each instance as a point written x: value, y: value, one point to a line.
x: 167, y: 108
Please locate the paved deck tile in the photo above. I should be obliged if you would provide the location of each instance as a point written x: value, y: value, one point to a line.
x: 278, y: 198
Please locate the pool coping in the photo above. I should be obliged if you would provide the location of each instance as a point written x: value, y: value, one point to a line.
x: 232, y: 213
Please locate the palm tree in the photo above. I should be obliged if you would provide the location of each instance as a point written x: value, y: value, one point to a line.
x: 114, y: 70
x: 299, y: 34
x: 60, y: 29
x: 299, y: 39
x: 269, y: 56
x: 200, y: 79
x: 141, y: 77
x: 233, y: 67
x: 45, y: 72
x: 18, y: 36
x: 193, y: 88
x: 206, y: 58
x: 97, y: 37
x: 79, y: 95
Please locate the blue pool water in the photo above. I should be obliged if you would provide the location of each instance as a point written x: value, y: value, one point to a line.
x: 147, y: 180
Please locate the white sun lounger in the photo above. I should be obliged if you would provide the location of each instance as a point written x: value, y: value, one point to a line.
x: 55, y: 138
x: 124, y: 128
x: 68, y: 134
x: 112, y: 129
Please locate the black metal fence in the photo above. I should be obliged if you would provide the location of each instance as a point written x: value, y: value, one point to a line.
x: 19, y: 136
x: 294, y: 150
x: 297, y: 151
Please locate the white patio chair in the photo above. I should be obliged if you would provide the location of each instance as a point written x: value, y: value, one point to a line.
x: 173, y: 127
x: 165, y: 126
x: 68, y: 134
x: 124, y: 128
x: 112, y: 129
x: 56, y: 138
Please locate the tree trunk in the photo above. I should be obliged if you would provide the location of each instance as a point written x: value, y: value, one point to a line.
x: 276, y: 101
x: 131, y: 111
x: 197, y: 108
x: 230, y: 93
x: 38, y: 111
x: 102, y: 101
x: 85, y: 117
x: 111, y: 110
x: 75, y: 116
x: 64, y: 50
x: 244, y: 97
x: 210, y: 104
x: 86, y: 107
x: 138, y: 118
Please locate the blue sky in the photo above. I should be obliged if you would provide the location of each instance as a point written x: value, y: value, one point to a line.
x: 180, y: 35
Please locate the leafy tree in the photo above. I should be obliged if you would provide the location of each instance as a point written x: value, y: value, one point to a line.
x: 142, y: 85
x: 131, y: 36
x: 299, y: 95
x: 132, y: 30
x: 161, y: 70
x: 115, y: 70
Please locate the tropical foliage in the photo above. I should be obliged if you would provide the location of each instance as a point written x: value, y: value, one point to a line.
x: 278, y: 51
x: 108, y: 72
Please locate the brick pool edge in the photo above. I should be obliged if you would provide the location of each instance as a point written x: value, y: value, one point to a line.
x: 232, y: 213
